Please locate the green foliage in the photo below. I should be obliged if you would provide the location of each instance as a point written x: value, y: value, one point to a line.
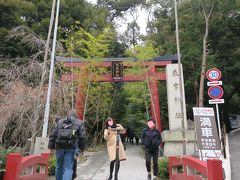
x: 12, y: 13
x: 117, y: 49
x: 52, y: 166
x: 118, y: 103
x: 35, y: 14
x: 142, y: 52
x: 84, y: 44
x: 118, y: 8
x: 97, y: 111
x: 132, y: 33
x: 3, y: 157
x: 138, y: 94
x: 162, y: 91
x: 137, y: 107
x: 163, y: 167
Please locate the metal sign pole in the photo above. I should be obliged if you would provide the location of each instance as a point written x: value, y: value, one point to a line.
x: 219, y: 125
x: 117, y: 156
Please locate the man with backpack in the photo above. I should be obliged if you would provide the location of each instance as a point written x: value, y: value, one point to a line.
x: 151, y: 140
x: 68, y: 138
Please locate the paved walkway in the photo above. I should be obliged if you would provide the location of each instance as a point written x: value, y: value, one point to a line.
x: 97, y: 166
x: 234, y: 143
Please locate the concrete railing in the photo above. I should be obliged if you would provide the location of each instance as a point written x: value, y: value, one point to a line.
x: 33, y: 167
x: 190, y: 168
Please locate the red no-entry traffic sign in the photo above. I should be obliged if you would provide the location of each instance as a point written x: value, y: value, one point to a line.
x: 213, y: 74
x: 215, y: 92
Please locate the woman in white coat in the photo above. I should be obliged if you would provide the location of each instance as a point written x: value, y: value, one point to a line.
x: 110, y: 135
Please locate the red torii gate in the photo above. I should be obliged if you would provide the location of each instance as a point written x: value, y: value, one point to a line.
x: 152, y: 75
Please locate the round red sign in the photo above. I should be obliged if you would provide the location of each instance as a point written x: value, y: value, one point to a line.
x: 215, y: 92
x: 213, y: 74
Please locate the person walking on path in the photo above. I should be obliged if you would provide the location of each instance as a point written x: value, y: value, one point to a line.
x: 110, y: 135
x: 151, y: 140
x: 67, y: 138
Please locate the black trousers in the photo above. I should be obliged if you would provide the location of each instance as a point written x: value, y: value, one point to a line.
x: 148, y: 156
x: 112, y: 166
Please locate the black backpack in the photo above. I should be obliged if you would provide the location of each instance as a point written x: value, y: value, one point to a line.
x: 67, y: 134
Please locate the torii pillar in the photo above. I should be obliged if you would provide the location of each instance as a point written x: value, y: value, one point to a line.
x: 155, y: 101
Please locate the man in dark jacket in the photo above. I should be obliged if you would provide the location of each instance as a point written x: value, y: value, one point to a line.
x: 151, y: 140
x: 68, y: 138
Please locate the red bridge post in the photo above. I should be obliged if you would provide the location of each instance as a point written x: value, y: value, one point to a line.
x: 16, y: 164
x: 12, y: 166
x: 214, y: 169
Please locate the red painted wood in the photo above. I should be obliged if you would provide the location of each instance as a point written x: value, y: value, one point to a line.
x: 108, y: 77
x: 31, y: 160
x: 12, y: 166
x: 16, y: 163
x: 212, y: 169
x: 35, y: 177
x: 184, y: 177
x: 80, y: 101
x: 155, y: 107
x: 108, y: 64
x: 201, y: 166
x: 81, y: 64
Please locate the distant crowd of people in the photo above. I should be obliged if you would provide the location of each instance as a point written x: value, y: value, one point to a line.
x: 130, y: 136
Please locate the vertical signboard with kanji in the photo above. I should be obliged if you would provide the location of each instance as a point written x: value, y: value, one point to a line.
x: 207, y: 136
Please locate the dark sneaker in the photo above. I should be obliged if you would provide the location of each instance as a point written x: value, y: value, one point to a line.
x: 110, y: 177
x: 149, y: 177
x: 74, y: 176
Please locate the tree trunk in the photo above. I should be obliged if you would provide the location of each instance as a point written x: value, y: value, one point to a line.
x: 204, y: 57
x: 195, y: 86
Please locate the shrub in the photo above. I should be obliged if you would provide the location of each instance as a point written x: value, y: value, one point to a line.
x: 163, y: 167
x: 52, y: 166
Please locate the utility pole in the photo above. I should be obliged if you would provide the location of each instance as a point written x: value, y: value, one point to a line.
x: 180, y: 78
x: 47, y: 107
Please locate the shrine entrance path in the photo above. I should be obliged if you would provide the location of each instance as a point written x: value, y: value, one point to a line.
x: 97, y: 166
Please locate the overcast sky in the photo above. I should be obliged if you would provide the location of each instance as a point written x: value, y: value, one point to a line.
x: 122, y: 23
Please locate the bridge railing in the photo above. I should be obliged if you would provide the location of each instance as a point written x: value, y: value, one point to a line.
x: 33, y: 167
x: 190, y: 168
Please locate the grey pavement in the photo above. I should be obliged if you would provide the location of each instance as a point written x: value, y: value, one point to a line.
x: 234, y: 143
x: 97, y: 166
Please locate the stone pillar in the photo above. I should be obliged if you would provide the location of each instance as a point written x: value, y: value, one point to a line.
x: 173, y: 139
x: 174, y: 101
